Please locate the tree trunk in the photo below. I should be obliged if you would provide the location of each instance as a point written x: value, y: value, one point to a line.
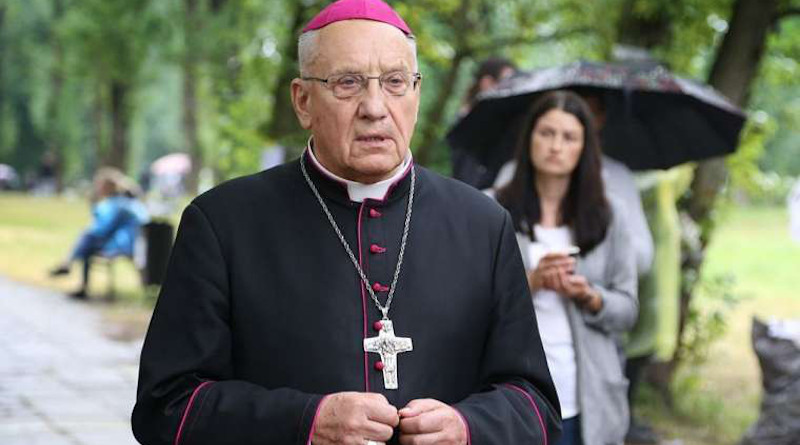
x: 54, y: 134
x: 98, y: 113
x: 120, y: 121
x: 29, y: 143
x: 644, y: 32
x: 217, y: 5
x: 192, y: 141
x: 733, y: 72
x: 191, y: 137
x: 433, y: 120
x: 283, y: 125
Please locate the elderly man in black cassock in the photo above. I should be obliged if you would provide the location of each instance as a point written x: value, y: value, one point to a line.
x: 350, y: 296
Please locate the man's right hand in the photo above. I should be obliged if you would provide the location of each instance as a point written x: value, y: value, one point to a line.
x: 353, y: 418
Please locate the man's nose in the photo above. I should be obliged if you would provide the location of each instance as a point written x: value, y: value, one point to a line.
x: 373, y: 102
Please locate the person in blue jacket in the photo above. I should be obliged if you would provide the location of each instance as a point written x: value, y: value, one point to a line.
x: 117, y: 216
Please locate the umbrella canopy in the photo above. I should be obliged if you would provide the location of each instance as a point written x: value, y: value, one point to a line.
x: 172, y: 164
x: 7, y: 173
x: 654, y: 120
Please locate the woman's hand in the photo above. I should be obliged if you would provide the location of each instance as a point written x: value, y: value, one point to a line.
x: 578, y: 289
x: 546, y: 273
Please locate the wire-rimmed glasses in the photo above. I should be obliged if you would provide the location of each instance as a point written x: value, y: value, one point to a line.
x: 394, y: 83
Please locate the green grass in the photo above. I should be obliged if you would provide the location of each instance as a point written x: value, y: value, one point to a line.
x: 719, y: 399
x: 716, y: 401
x: 37, y: 233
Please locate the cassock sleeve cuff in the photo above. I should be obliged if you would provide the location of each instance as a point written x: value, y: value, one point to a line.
x: 466, y: 425
x: 310, y: 414
x: 535, y: 408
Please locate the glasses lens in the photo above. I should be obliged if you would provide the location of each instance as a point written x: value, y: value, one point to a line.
x: 347, y: 85
x: 395, y: 83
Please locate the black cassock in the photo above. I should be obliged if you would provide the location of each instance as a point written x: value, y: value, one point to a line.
x: 263, y: 313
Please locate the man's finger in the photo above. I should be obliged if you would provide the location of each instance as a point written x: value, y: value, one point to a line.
x: 423, y: 439
x: 419, y: 406
x: 379, y: 432
x: 425, y: 423
x: 381, y: 411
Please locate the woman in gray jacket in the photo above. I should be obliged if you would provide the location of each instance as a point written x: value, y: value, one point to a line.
x: 581, y: 267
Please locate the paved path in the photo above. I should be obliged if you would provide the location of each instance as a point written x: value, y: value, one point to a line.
x: 62, y: 382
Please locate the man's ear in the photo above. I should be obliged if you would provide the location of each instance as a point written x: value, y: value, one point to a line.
x: 301, y: 100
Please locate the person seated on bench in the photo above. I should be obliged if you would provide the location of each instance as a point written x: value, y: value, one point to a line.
x: 117, y: 216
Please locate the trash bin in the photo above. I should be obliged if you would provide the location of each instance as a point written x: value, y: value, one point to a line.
x: 777, y: 345
x: 157, y: 239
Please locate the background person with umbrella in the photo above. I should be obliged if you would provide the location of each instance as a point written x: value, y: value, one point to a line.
x: 652, y: 120
x: 167, y: 176
x: 620, y: 185
x: 655, y: 120
x: 556, y: 202
x: 9, y: 180
x: 489, y: 74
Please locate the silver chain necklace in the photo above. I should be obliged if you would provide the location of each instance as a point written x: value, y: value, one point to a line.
x: 385, y: 343
x: 383, y: 308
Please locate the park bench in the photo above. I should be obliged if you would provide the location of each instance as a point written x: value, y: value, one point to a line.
x: 150, y: 258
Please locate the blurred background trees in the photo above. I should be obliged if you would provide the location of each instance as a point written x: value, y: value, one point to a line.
x: 122, y: 82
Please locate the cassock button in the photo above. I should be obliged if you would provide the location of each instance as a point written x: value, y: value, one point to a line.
x: 377, y: 325
x: 374, y: 213
x: 378, y: 287
x: 376, y: 249
x: 379, y: 366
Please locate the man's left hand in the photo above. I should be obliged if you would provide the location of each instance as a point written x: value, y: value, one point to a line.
x: 428, y: 421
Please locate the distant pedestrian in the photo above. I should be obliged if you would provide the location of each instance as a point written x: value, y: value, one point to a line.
x: 117, y: 216
x: 490, y: 72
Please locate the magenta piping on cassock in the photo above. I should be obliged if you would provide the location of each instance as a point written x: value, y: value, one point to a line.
x: 466, y: 424
x: 314, y: 422
x: 313, y: 161
x: 188, y: 408
x: 363, y: 300
x: 533, y: 404
x: 395, y: 183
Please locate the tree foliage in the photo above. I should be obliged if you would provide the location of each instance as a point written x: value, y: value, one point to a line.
x: 210, y: 77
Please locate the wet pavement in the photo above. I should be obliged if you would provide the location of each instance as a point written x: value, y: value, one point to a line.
x: 62, y: 381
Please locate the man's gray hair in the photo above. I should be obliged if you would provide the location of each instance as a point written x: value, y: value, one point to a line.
x: 307, y: 50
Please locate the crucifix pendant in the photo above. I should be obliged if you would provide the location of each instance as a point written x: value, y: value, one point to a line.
x: 388, y: 346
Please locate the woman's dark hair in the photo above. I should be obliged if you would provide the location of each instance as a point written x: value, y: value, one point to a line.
x: 584, y: 209
x: 492, y: 67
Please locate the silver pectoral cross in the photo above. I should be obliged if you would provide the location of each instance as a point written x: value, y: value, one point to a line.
x: 388, y: 346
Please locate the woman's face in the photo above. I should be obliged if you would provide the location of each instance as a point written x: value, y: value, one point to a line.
x: 103, y: 188
x: 556, y: 143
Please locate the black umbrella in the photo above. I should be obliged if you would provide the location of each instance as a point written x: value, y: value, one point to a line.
x: 654, y: 120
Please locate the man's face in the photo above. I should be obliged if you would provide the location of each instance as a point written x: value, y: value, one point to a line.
x: 365, y: 137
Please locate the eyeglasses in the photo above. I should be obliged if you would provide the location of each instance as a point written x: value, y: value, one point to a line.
x: 343, y: 86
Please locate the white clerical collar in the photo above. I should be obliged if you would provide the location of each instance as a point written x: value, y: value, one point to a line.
x: 359, y: 192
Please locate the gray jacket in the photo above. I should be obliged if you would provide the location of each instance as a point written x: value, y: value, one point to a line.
x: 602, y: 387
